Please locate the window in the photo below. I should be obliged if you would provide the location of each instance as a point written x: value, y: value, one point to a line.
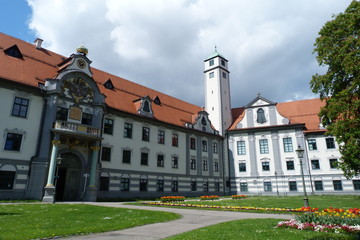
x: 86, y: 119
x: 13, y: 51
x: 224, y: 74
x: 105, y: 154
x: 318, y: 185
x: 211, y: 74
x: 205, y: 165
x: 242, y: 167
x: 193, y: 164
x: 243, y: 187
x: 128, y: 130
x: 160, y: 160
x: 217, y: 186
x: 290, y: 165
x: 292, y: 186
x: 315, y: 164
x: 330, y: 143
x: 264, y: 147
x: 126, y: 156
x: 206, y: 186
x: 265, y: 166
x: 192, y: 144
x: 144, y: 158
x: 241, y: 150
x: 174, y: 186
x: 223, y: 62
x: 125, y: 184
x: 267, y: 187
x: 356, y: 184
x: 13, y: 142
x: 7, y: 179
x: 160, y: 185
x: 204, y: 146
x: 20, y: 107
x: 337, y: 185
x: 215, y: 147
x: 193, y: 186
x: 146, y: 106
x: 260, y: 116
x: 333, y: 163
x: 216, y: 167
x: 287, y: 144
x: 312, y: 144
x: 143, y: 185
x: 108, y: 126
x: 62, y: 114
x: 161, y: 137
x: 175, y: 140
x: 211, y: 62
x: 146, y: 134
x: 108, y: 84
x: 104, y: 183
x: 174, y: 162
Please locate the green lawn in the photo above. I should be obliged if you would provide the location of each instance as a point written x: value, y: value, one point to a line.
x: 29, y: 221
x: 255, y: 229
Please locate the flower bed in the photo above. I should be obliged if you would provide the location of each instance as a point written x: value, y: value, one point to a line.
x: 213, y: 197
x: 294, y: 224
x: 328, y: 220
x: 235, y: 197
x: 172, y: 199
x: 303, y: 209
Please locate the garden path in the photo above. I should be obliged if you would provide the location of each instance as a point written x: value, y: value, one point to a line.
x: 191, y: 219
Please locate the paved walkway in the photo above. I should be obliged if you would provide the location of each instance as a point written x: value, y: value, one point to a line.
x: 191, y: 219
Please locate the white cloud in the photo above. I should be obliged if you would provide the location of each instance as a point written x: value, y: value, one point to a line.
x: 162, y: 43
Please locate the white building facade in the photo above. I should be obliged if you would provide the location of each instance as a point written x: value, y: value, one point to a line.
x: 71, y: 132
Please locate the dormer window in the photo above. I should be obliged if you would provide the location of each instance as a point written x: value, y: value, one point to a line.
x: 157, y: 101
x: 13, y: 51
x: 145, y: 106
x: 261, y: 116
x: 108, y: 84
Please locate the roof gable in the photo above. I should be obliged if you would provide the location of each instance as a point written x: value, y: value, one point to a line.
x: 259, y: 101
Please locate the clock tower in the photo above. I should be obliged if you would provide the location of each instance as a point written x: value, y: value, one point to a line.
x: 217, y: 91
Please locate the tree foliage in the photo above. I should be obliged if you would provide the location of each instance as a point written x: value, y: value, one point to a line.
x: 338, y: 48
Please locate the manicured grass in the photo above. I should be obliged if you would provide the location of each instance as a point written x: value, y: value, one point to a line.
x: 30, y: 221
x: 255, y: 229
x: 321, y: 202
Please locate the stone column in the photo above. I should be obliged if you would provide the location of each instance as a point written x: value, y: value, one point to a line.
x: 91, y: 189
x: 50, y: 187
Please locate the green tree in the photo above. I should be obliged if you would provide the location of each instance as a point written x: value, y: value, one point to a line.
x: 338, y: 48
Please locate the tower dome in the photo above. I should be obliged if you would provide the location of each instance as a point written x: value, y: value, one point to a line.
x: 82, y: 49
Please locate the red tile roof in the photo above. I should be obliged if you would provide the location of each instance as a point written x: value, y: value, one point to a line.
x: 37, y: 65
x: 298, y: 112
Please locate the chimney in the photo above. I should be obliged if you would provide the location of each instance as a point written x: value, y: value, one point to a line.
x: 38, y: 42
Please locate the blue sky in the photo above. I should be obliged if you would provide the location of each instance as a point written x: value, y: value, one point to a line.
x: 162, y: 44
x: 14, y: 16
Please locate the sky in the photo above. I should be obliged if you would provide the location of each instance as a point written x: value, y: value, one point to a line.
x: 162, y: 44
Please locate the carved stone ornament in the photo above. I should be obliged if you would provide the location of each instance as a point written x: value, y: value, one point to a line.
x: 79, y: 90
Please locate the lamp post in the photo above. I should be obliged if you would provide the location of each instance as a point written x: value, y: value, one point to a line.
x: 58, y: 163
x: 300, y: 154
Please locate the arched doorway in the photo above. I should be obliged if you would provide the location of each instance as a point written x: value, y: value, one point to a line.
x: 69, y: 178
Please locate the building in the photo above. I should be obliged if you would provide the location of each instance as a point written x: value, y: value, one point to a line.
x: 72, y: 132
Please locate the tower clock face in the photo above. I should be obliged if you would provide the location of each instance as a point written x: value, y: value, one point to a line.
x: 81, y: 63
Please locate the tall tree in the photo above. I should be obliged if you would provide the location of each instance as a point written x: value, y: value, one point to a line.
x: 338, y: 48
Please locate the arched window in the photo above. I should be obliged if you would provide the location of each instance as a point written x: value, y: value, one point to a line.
x: 261, y: 116
x: 146, y: 107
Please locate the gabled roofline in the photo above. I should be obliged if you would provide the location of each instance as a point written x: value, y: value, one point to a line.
x: 259, y: 97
